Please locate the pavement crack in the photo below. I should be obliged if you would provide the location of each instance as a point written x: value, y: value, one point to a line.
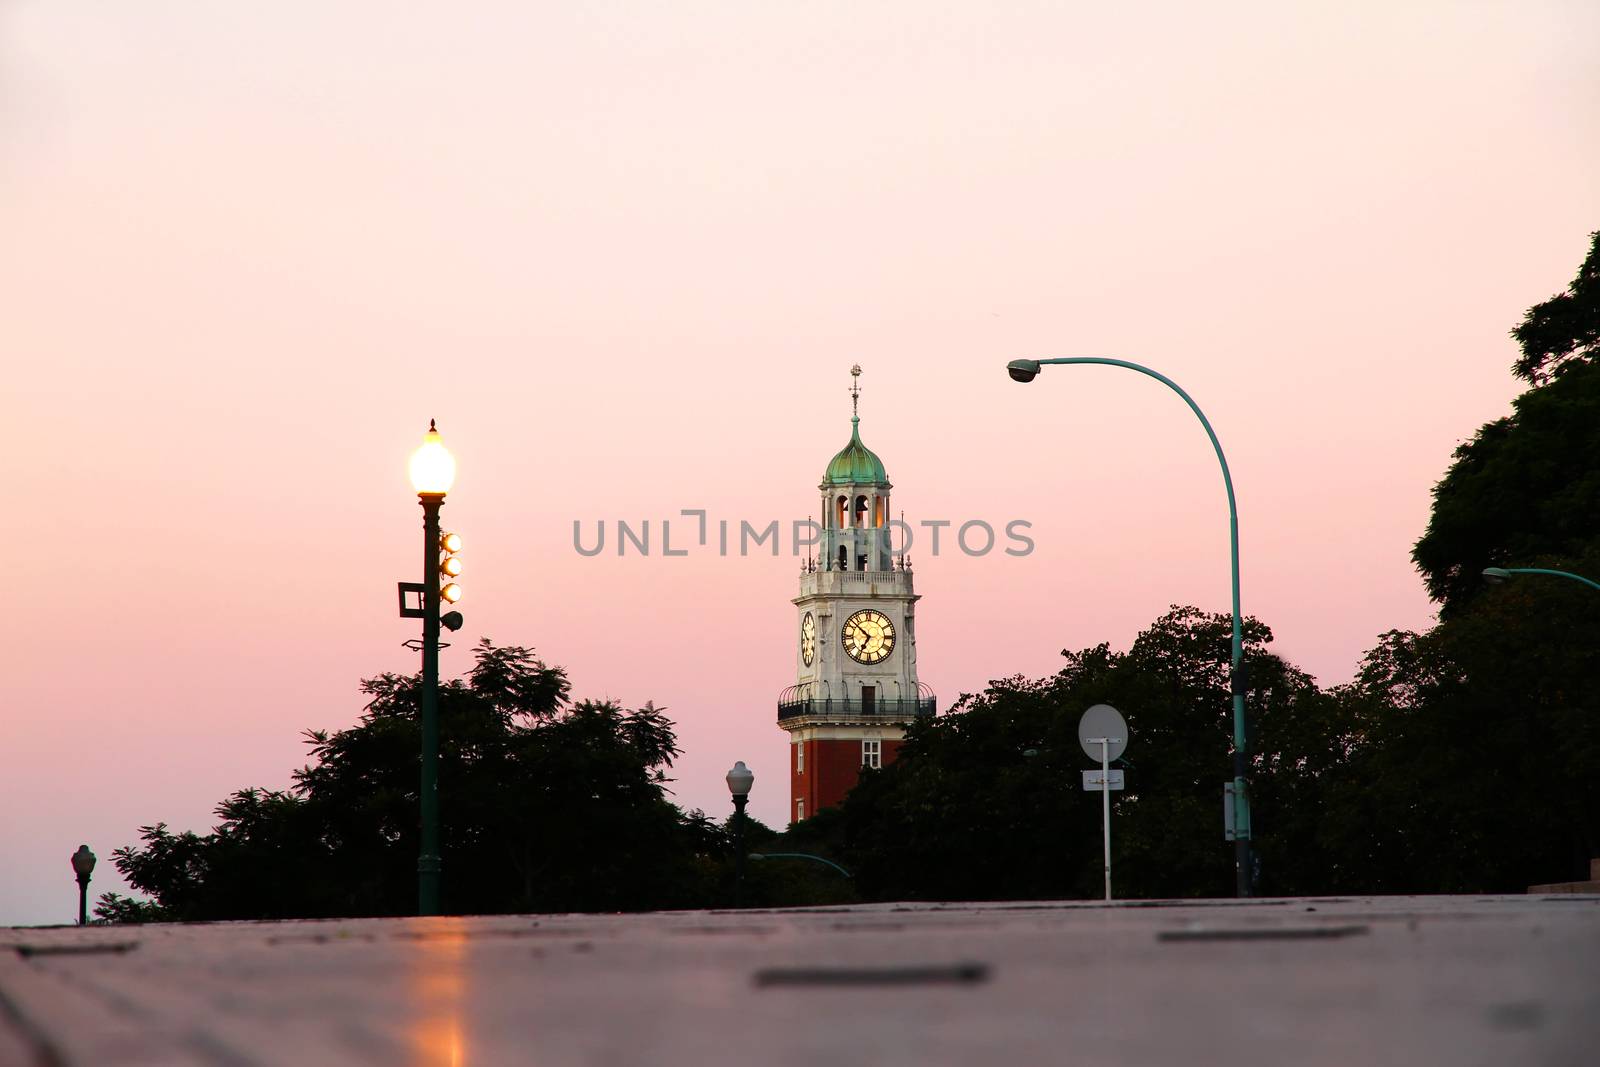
x: 1265, y: 933
x: 934, y: 974
x: 113, y: 948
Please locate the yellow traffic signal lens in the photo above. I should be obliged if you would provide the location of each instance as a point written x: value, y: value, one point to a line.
x: 451, y: 592
x: 451, y: 566
x: 450, y: 542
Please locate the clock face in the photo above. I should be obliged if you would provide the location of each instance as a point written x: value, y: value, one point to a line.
x: 868, y: 636
x: 808, y: 639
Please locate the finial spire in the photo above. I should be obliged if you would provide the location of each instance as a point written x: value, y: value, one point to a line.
x: 855, y: 394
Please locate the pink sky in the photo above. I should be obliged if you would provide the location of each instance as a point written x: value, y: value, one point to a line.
x: 626, y: 255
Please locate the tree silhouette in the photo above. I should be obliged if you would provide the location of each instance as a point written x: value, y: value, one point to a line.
x: 548, y: 805
x: 1525, y: 490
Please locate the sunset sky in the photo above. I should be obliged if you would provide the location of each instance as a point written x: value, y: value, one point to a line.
x: 626, y: 253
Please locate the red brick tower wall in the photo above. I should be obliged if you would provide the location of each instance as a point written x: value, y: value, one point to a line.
x: 832, y: 769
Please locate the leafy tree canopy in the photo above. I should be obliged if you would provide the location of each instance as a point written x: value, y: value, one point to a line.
x: 1564, y: 331
x: 1412, y: 779
x: 548, y: 805
x: 1478, y: 746
x: 1525, y: 490
x: 965, y: 812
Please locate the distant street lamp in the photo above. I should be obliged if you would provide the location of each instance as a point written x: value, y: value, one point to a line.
x: 83, y: 867
x: 1026, y: 370
x: 433, y: 472
x: 740, y: 779
x: 1496, y: 575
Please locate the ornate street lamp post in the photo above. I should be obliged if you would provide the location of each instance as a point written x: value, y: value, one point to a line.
x: 740, y: 779
x: 433, y: 471
x: 83, y: 867
x: 1026, y: 370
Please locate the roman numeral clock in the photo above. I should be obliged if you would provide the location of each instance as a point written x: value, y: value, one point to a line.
x: 856, y: 685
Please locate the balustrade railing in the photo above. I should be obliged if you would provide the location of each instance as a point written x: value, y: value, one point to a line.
x: 840, y: 708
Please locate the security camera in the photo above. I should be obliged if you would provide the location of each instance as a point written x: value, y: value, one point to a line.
x: 451, y: 620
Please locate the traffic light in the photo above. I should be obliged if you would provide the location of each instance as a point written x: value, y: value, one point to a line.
x: 449, y: 566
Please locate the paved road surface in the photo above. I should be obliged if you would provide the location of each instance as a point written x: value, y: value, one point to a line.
x: 1509, y: 981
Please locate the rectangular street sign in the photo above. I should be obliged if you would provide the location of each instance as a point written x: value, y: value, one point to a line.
x: 1092, y: 781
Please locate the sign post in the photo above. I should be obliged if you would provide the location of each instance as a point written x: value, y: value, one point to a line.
x: 1102, y: 733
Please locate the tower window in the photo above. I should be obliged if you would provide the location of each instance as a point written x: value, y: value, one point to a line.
x: 799, y: 811
x: 872, y: 753
x: 861, y: 511
x: 800, y: 758
x: 844, y: 558
x: 839, y: 511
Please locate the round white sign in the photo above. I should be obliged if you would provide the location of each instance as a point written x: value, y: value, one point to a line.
x: 1102, y: 720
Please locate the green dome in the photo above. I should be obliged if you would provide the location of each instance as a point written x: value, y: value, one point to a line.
x: 856, y: 464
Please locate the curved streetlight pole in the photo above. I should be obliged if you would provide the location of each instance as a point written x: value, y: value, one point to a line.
x: 799, y: 856
x: 1025, y: 370
x: 1495, y: 575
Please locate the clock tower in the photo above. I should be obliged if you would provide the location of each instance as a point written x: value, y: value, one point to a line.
x: 856, y: 685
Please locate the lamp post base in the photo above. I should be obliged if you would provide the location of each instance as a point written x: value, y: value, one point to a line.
x: 428, y: 868
x: 1244, y: 871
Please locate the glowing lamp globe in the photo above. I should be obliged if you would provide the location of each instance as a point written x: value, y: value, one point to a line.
x: 433, y: 468
x: 740, y: 779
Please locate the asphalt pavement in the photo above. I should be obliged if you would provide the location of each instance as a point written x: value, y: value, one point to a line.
x: 1373, y: 980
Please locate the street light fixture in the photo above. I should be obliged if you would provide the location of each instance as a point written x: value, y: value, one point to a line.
x: 1026, y: 370
x: 432, y: 467
x: 83, y: 867
x: 1023, y: 370
x: 740, y: 779
x: 1497, y: 575
x: 433, y: 472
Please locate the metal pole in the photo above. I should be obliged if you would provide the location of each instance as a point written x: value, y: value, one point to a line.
x: 1559, y: 574
x: 1243, y: 862
x: 738, y: 850
x: 83, y: 901
x: 1105, y: 807
x: 428, y: 862
x: 799, y: 856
